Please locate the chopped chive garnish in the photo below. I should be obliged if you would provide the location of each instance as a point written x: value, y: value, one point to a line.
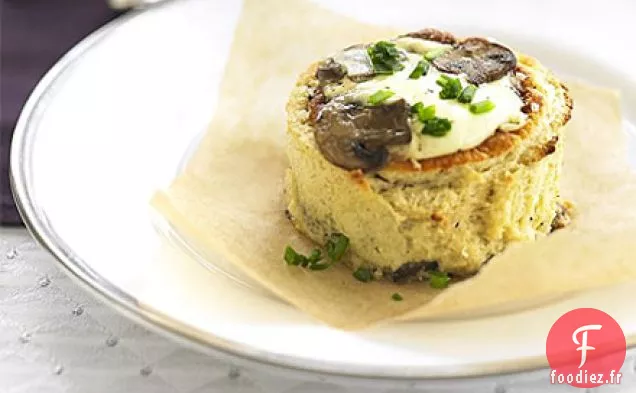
x: 420, y: 69
x: 319, y: 266
x: 482, y: 107
x: 363, y: 274
x: 380, y: 96
x: 292, y: 257
x: 439, y: 280
x: 451, y: 87
x: 336, y: 246
x: 397, y: 297
x: 467, y: 95
x: 315, y: 256
x: 436, y: 126
x: 443, y: 80
x: 385, y: 57
x: 423, y: 112
x: 434, y: 53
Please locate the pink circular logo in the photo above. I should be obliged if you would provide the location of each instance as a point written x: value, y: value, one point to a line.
x: 586, y: 348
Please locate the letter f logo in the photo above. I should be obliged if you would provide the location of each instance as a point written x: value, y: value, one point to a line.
x: 583, y: 344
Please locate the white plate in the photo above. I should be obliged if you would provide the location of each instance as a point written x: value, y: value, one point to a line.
x: 111, y: 122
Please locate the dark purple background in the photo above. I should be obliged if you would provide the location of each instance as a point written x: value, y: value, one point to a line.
x: 34, y: 35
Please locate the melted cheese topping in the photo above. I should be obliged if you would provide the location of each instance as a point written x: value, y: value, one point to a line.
x: 468, y: 130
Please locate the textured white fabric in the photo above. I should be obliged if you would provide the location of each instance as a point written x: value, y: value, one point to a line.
x: 56, y: 338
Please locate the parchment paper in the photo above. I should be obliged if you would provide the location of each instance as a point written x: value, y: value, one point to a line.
x: 229, y: 198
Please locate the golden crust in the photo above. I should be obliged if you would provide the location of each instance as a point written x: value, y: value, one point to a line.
x: 500, y: 143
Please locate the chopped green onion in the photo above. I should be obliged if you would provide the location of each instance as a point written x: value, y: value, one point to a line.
x: 451, y: 87
x: 315, y: 256
x: 420, y: 69
x: 423, y: 112
x: 292, y: 257
x: 467, y: 95
x: 397, y: 297
x: 385, y: 57
x: 363, y: 274
x: 380, y: 96
x: 336, y: 246
x: 319, y: 266
x: 482, y: 107
x: 437, y: 126
x: 439, y: 280
x: 434, y: 53
x: 443, y: 80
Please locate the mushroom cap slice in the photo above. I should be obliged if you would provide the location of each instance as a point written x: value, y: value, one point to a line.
x: 481, y: 60
x: 330, y: 71
x: 355, y: 137
x: 431, y: 34
x: 357, y: 62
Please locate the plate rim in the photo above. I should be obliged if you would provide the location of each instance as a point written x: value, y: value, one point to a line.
x: 127, y: 305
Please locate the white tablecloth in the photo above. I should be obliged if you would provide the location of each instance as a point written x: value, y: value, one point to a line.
x: 54, y: 337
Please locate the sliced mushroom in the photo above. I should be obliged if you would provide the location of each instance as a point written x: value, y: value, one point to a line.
x: 316, y: 102
x: 481, y: 60
x: 355, y: 137
x: 357, y: 62
x: 330, y: 71
x: 430, y: 34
